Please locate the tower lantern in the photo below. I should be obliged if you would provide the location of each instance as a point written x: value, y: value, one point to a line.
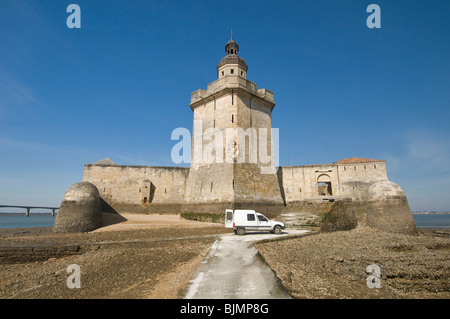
x: 232, y: 64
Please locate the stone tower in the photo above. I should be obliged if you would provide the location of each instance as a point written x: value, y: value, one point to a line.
x: 232, y: 160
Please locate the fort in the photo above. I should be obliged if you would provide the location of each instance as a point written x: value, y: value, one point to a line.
x: 230, y: 172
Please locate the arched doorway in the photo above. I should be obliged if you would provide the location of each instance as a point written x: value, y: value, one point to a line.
x: 324, y: 185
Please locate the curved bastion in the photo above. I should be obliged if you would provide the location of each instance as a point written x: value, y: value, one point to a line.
x: 388, y: 209
x: 80, y: 210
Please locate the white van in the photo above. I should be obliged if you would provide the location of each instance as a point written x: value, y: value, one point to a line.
x: 249, y: 220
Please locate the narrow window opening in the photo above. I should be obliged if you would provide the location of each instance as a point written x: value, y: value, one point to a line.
x: 232, y: 71
x: 232, y: 118
x: 211, y: 186
x: 223, y: 73
x: 364, y: 166
x: 375, y: 166
x: 165, y: 190
x: 242, y: 73
x: 233, y: 183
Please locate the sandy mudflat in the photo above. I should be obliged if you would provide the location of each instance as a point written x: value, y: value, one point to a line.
x: 142, y: 222
x: 333, y: 265
x: 154, y: 256
x: 144, y: 256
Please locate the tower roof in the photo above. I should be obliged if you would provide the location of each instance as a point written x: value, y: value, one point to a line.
x: 232, y: 50
x: 105, y: 161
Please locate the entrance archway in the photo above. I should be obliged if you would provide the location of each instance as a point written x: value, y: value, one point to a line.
x: 324, y: 185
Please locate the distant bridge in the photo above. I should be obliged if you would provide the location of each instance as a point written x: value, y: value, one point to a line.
x: 28, y: 208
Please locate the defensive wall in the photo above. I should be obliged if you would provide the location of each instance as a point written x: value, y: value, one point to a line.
x: 311, y: 188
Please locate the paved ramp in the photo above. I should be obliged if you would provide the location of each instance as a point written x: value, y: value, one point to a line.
x: 234, y: 269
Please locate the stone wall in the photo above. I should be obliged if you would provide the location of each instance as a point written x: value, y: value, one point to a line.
x: 342, y: 181
x: 139, y: 188
x: 356, y: 179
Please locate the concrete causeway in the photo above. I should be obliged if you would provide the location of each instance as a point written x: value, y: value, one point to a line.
x: 234, y: 269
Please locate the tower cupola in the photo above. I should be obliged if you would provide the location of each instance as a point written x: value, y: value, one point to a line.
x: 232, y: 63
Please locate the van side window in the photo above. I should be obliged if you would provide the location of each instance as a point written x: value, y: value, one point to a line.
x: 250, y: 217
x: 262, y: 218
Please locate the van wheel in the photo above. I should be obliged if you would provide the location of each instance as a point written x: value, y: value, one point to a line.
x: 277, y: 230
x: 240, y: 231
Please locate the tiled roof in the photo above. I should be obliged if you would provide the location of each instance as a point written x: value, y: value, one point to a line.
x: 354, y: 160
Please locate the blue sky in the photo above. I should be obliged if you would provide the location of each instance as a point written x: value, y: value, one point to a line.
x: 121, y: 84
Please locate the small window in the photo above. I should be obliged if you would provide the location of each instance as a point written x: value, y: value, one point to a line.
x: 375, y: 166
x: 232, y: 71
x: 242, y: 73
x: 232, y: 118
x: 223, y: 73
x: 250, y: 217
x: 233, y: 183
x: 364, y: 166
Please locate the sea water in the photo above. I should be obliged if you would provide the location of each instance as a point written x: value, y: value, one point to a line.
x: 432, y: 220
x: 21, y: 220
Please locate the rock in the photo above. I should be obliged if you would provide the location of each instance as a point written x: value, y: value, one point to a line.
x: 339, y: 218
x: 80, y: 210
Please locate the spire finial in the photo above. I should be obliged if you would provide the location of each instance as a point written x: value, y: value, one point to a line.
x: 231, y: 34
